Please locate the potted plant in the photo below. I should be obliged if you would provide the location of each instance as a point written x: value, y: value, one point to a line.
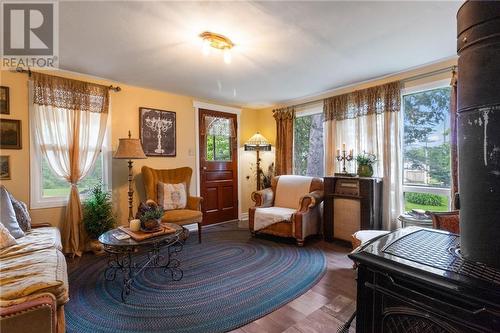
x: 365, y: 164
x: 98, y: 215
x: 151, y: 217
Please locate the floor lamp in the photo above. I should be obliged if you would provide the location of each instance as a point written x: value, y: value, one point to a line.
x: 258, y: 143
x: 129, y: 149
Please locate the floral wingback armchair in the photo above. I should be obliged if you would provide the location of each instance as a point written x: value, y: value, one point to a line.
x: 291, y: 207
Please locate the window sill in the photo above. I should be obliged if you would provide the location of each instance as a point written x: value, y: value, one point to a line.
x: 49, y: 203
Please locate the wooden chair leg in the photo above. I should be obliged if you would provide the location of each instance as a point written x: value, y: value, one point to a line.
x: 199, y: 232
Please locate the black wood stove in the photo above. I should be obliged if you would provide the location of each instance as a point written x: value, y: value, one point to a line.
x: 414, y: 280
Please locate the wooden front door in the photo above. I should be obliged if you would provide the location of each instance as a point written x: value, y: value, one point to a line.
x: 218, y: 166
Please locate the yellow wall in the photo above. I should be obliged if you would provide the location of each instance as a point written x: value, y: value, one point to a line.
x: 124, y: 116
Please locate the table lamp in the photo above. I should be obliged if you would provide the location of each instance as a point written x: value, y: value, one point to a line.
x: 258, y: 143
x: 129, y: 149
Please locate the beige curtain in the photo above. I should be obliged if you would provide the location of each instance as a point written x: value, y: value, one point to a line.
x: 69, y: 122
x: 454, y: 138
x: 284, y: 140
x: 368, y: 120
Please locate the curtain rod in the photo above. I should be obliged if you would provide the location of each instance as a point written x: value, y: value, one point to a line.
x: 29, y: 72
x: 408, y: 79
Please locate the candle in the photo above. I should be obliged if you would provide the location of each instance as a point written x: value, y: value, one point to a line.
x: 343, y: 147
x: 135, y: 225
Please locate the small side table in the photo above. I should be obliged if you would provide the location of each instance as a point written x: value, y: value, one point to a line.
x: 408, y: 220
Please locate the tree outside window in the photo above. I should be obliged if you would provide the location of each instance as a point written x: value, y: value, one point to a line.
x: 308, y: 147
x: 426, y: 150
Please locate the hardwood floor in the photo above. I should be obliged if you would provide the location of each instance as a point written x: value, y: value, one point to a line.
x: 324, y: 308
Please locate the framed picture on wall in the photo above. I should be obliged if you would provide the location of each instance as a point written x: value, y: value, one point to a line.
x: 4, y: 167
x: 10, y: 134
x: 4, y: 100
x: 157, y: 132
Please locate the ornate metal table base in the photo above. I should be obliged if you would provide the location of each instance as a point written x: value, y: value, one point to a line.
x: 159, y: 255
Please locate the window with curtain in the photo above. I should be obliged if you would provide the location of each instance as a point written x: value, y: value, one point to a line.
x: 426, y: 149
x: 48, y: 189
x: 308, y: 142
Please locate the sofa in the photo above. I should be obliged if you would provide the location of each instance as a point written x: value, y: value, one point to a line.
x: 33, y: 282
x: 291, y: 207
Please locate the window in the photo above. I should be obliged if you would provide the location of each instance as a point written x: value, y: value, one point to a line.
x: 54, y: 186
x: 219, y: 135
x: 308, y: 147
x: 49, y: 190
x: 426, y: 149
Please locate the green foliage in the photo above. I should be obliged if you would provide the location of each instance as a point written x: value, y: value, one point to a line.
x: 308, y: 146
x: 97, y: 212
x: 366, y: 159
x: 423, y: 112
x: 54, y: 185
x: 302, y: 128
x: 218, y: 148
x: 152, y: 213
x: 426, y: 119
x: 426, y: 199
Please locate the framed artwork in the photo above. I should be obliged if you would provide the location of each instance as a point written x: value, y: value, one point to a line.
x: 10, y: 134
x: 4, y: 167
x: 157, y: 132
x: 4, y: 100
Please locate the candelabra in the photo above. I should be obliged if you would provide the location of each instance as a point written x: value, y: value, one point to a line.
x: 344, y: 158
x: 160, y: 126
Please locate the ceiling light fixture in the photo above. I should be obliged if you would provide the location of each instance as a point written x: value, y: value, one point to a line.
x: 217, y: 41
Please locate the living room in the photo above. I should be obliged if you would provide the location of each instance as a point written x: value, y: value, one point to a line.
x: 249, y: 166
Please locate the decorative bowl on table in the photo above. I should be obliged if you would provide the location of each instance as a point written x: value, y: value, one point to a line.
x: 151, y: 225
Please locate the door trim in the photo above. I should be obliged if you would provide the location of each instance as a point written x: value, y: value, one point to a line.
x: 221, y: 108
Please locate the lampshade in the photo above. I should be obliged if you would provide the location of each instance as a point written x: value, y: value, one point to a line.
x: 129, y: 149
x: 257, y: 142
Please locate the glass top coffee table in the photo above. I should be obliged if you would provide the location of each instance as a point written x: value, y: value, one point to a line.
x: 131, y: 257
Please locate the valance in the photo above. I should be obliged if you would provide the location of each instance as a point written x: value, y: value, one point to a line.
x: 284, y: 113
x: 373, y: 100
x: 218, y: 126
x: 69, y: 94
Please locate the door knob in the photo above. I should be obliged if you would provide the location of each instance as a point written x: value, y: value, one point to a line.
x: 204, y: 168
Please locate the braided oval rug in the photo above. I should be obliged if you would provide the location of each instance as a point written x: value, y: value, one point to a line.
x: 229, y: 280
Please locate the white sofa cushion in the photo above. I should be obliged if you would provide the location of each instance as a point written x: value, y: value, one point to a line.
x: 290, y: 189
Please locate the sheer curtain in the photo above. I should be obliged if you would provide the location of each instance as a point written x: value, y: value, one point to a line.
x: 454, y: 138
x: 69, y: 123
x: 368, y: 120
x: 284, y: 140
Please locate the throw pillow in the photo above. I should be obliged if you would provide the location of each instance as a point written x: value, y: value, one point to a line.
x: 6, y: 238
x: 8, y: 215
x: 22, y: 213
x: 172, y: 196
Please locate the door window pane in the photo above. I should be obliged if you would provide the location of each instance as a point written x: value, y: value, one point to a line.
x: 218, y: 132
x: 218, y: 148
x: 308, y: 151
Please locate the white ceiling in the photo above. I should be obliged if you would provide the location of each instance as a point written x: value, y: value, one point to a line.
x: 284, y: 50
